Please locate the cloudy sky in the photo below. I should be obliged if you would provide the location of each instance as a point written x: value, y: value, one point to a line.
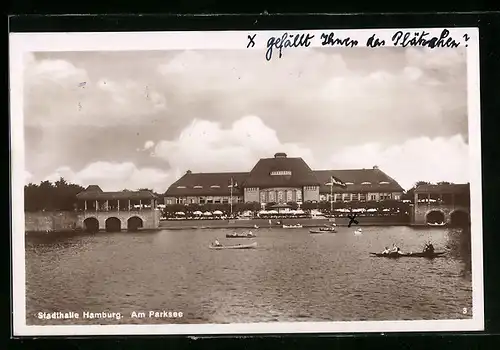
x: 141, y: 119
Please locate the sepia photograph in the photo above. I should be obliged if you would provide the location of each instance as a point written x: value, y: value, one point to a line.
x: 193, y: 183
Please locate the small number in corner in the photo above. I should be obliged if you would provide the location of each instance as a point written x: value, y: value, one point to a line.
x: 464, y: 310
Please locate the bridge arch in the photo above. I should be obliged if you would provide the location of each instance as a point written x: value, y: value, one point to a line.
x: 134, y: 223
x: 459, y: 218
x: 113, y: 224
x: 435, y: 217
x: 91, y: 224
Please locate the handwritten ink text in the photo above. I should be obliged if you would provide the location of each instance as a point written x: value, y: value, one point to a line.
x: 421, y: 39
x: 251, y: 40
x: 329, y: 39
x: 373, y: 41
x: 287, y: 40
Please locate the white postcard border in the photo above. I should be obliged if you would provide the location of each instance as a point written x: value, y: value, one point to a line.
x: 21, y: 43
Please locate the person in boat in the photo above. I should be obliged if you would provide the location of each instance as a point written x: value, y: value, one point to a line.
x: 250, y: 233
x: 394, y: 249
x: 429, y: 248
x: 399, y: 251
x: 217, y: 243
x: 386, y: 250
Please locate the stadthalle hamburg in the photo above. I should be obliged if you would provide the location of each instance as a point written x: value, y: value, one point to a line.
x: 57, y: 315
x: 283, y: 179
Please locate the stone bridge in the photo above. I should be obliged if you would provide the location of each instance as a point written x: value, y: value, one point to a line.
x: 441, y: 203
x: 115, y: 220
x: 425, y: 213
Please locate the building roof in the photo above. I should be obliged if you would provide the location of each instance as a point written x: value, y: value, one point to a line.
x: 93, y: 188
x: 443, y: 188
x: 287, y: 172
x: 94, y: 194
x: 207, y: 184
x: 358, y: 180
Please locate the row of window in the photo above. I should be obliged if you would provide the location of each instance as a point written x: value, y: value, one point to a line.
x: 311, y: 188
x: 285, y: 196
x: 212, y: 186
x: 203, y: 200
x: 363, y: 183
x: 362, y: 197
x: 281, y: 173
x: 281, y: 196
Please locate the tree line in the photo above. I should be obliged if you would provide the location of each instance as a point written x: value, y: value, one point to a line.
x: 409, y: 194
x: 61, y: 195
x: 56, y: 196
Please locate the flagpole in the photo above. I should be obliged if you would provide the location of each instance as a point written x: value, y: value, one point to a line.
x: 331, y: 196
x: 231, y: 200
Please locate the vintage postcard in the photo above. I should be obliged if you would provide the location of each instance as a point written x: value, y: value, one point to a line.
x: 246, y: 182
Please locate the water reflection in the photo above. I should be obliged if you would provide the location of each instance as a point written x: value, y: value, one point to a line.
x: 291, y: 276
x: 459, y: 246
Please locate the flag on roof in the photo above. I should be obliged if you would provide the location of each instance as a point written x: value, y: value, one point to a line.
x: 336, y: 182
x: 233, y: 184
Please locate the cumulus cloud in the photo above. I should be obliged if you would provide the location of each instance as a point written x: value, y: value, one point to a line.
x: 418, y: 159
x: 148, y: 145
x: 60, y: 93
x: 114, y: 176
x: 326, y: 105
x: 206, y: 146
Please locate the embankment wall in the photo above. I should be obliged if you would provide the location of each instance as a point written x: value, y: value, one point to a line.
x: 50, y: 221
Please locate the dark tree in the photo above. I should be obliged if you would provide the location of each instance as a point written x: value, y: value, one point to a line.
x: 60, y: 195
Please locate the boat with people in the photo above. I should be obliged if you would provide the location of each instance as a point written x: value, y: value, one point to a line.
x: 249, y: 234
x: 395, y: 252
x: 237, y: 246
x: 293, y: 226
x: 316, y: 231
x: 325, y: 229
x: 408, y: 255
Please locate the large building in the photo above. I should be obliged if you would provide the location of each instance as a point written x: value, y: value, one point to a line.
x: 282, y: 180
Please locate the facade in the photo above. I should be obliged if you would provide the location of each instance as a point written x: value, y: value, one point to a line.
x: 443, y: 203
x: 283, y: 180
x: 114, y: 211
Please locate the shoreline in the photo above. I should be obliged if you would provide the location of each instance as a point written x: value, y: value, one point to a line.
x: 231, y: 227
x: 180, y: 225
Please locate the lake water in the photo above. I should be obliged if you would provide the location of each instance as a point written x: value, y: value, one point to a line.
x: 291, y: 276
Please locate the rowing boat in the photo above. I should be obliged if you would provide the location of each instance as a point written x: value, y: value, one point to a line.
x: 292, y: 226
x: 315, y: 231
x: 240, y: 235
x: 238, y: 246
x: 408, y: 255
